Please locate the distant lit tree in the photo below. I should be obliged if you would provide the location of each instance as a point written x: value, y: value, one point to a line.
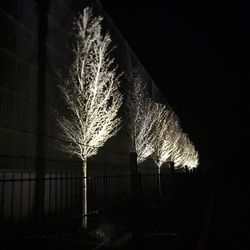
x: 135, y: 103
x: 147, y: 136
x: 193, y: 161
x: 180, y: 149
x: 91, y: 94
x: 143, y: 113
x: 184, y: 153
x: 190, y: 157
x: 166, y: 129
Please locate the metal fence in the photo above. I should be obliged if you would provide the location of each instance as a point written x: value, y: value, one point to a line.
x: 17, y: 201
x: 114, y: 200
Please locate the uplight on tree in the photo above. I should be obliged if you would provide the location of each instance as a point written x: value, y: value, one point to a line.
x: 91, y: 95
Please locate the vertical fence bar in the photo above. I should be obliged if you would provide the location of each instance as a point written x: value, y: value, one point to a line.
x: 71, y: 196
x: 49, y: 205
x: 91, y: 194
x: 2, y: 203
x: 96, y: 191
x: 20, y: 204
x: 100, y: 188
x: 55, y: 212
x: 66, y: 195
x: 75, y: 194
x: 104, y: 181
x: 28, y: 228
x: 12, y: 205
x: 61, y: 198
x: 109, y: 179
x: 112, y: 181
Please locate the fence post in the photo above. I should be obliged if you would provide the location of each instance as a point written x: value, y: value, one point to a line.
x: 133, y: 173
x: 135, y: 185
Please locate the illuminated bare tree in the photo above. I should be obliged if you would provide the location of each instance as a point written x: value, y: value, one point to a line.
x: 190, y: 156
x: 193, y: 161
x: 178, y: 148
x: 143, y: 114
x: 166, y: 128
x: 91, y: 95
x: 147, y: 137
x: 181, y: 150
x: 184, y: 153
x: 135, y: 103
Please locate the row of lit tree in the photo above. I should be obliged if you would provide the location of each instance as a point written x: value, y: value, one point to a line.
x: 155, y: 130
x: 92, y: 96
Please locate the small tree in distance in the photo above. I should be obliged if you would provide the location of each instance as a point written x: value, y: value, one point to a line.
x: 91, y: 95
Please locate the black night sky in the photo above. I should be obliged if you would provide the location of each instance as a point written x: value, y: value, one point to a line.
x: 197, y: 52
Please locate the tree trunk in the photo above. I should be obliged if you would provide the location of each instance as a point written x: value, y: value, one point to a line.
x: 84, y: 192
x: 159, y: 179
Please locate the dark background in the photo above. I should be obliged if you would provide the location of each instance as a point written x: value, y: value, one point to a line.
x: 197, y: 52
